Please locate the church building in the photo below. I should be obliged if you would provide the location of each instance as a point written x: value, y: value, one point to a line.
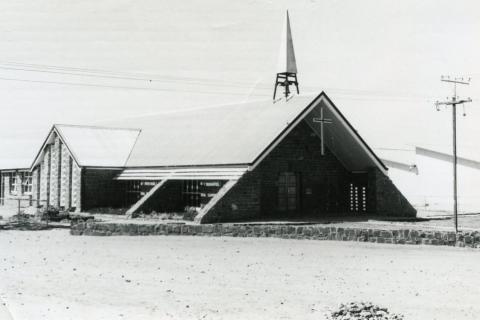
x: 293, y: 157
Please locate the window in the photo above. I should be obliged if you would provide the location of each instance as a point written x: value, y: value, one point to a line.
x: 197, y: 193
x: 26, y: 183
x: 358, y: 198
x: 13, y: 183
x: 136, y: 189
x: 191, y: 193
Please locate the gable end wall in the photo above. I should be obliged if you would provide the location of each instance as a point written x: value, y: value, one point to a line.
x: 49, y: 182
x: 254, y: 196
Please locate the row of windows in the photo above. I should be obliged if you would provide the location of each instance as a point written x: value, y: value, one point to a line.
x: 19, y: 184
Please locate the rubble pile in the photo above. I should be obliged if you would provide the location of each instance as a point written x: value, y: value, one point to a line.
x: 364, y: 311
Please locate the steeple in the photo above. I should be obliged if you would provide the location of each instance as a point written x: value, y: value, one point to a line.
x: 287, y: 65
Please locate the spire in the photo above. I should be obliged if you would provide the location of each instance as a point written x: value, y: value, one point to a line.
x: 287, y: 65
x: 286, y: 59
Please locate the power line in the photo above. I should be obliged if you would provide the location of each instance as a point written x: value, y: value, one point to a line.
x: 378, y: 98
x: 122, y: 75
x: 119, y: 87
x: 346, y: 94
x: 140, y: 75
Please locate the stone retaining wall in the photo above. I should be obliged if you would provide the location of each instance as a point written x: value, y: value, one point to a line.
x: 314, y: 232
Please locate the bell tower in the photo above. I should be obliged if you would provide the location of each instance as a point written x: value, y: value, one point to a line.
x: 287, y: 65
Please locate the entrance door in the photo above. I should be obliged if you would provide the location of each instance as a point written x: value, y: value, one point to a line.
x: 358, y: 193
x: 288, y: 187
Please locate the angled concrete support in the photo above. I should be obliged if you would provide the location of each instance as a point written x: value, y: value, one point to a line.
x: 223, y: 190
x: 142, y: 200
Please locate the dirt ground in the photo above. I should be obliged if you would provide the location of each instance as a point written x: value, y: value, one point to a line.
x: 52, y: 275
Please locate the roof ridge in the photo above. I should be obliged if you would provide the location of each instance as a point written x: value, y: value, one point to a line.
x: 95, y: 127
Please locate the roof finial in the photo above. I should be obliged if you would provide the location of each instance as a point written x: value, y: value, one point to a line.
x: 287, y: 65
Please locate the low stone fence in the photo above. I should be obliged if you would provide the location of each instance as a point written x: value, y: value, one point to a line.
x: 314, y: 232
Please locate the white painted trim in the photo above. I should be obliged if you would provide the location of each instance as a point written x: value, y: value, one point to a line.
x: 410, y: 168
x: 105, y: 168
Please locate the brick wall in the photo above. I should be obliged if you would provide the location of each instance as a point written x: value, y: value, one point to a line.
x: 386, y: 198
x: 323, y: 178
x: 242, y: 202
x: 167, y: 199
x: 322, y: 187
x: 99, y: 189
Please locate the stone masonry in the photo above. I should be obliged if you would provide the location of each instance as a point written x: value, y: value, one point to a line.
x: 308, y: 231
x: 54, y: 171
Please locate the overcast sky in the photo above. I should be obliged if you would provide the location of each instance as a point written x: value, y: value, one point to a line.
x: 380, y: 61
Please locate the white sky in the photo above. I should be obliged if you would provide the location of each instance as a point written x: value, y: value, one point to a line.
x: 380, y: 61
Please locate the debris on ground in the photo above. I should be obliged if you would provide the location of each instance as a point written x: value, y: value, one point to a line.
x: 364, y: 311
x: 24, y: 221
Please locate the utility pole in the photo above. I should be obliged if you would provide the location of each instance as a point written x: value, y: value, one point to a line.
x: 454, y: 102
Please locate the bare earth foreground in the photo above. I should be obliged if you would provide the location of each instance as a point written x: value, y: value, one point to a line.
x: 52, y: 275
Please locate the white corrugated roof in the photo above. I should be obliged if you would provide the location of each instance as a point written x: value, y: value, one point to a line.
x: 230, y: 134
x: 98, y: 146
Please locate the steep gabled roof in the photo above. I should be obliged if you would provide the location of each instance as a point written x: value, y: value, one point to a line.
x: 223, y: 135
x: 94, y: 146
x: 237, y: 134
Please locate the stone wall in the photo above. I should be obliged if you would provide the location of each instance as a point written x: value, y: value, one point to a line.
x: 45, y: 176
x: 65, y: 199
x: 53, y: 186
x: 312, y: 232
x: 76, y: 187
x: 55, y: 172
